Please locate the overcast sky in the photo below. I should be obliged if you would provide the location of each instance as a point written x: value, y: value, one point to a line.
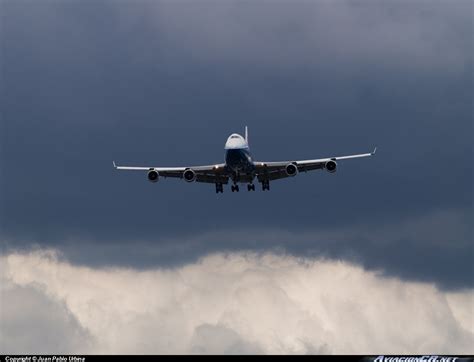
x: 164, y: 83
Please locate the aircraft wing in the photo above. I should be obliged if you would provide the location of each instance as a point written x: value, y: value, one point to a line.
x: 277, y: 170
x: 209, y: 173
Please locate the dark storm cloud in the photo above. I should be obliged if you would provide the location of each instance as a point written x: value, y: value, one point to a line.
x: 164, y: 83
x: 435, y: 247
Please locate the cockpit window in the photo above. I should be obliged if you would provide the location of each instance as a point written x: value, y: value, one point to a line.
x: 235, y: 136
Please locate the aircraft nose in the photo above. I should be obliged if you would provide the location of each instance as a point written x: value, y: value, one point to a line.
x: 235, y: 141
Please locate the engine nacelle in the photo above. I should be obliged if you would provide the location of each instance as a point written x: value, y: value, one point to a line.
x: 291, y: 169
x: 153, y: 175
x: 331, y: 166
x: 189, y: 175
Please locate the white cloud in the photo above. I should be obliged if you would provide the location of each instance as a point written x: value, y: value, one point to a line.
x: 226, y: 303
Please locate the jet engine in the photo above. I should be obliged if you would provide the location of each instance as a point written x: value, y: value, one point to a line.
x: 291, y: 169
x: 189, y: 175
x: 330, y: 166
x: 153, y: 175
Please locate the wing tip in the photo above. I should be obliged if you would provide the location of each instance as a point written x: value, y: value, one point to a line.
x: 375, y: 150
x: 113, y: 163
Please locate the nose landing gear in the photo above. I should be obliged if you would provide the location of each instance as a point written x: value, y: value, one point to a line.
x: 235, y: 188
x: 265, y: 185
x: 251, y: 187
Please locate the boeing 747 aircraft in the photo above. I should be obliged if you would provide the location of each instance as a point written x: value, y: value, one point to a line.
x: 240, y: 168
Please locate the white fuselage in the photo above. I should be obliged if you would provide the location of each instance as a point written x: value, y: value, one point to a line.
x: 237, y: 157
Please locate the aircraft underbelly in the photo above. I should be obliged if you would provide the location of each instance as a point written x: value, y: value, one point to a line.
x: 239, y: 160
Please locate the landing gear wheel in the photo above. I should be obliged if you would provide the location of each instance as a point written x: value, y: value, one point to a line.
x: 219, y: 188
x: 235, y: 188
x: 265, y: 185
x: 251, y: 187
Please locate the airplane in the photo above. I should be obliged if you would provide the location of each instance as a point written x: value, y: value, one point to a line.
x: 239, y: 167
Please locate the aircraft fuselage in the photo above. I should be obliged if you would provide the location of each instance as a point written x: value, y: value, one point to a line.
x: 237, y: 157
x: 239, y: 160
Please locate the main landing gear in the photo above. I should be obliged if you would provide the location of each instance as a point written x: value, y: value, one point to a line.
x: 219, y: 188
x: 265, y: 185
x: 235, y: 187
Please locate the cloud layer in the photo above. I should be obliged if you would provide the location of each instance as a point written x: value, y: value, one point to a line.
x: 164, y: 83
x: 225, y: 303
